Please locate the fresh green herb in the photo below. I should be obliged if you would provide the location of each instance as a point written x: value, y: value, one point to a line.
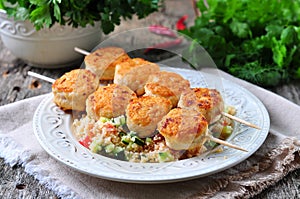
x: 44, y: 13
x: 256, y: 40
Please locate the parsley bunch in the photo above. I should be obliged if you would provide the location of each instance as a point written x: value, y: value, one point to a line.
x: 44, y: 13
x: 256, y: 40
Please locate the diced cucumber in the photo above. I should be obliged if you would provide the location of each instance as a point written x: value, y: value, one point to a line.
x: 122, y: 120
x: 165, y: 156
x: 126, y: 140
x: 138, y: 141
x: 109, y: 148
x: 119, y: 121
x: 117, y: 149
x: 210, y: 144
x: 148, y: 140
x: 96, y: 148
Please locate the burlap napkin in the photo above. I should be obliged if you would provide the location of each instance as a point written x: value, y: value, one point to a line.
x: 275, y: 158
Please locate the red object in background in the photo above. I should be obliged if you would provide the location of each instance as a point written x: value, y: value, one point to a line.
x: 165, y: 31
x: 180, y: 24
x: 162, y: 30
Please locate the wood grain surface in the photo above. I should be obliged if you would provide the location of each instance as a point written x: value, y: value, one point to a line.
x: 15, y: 85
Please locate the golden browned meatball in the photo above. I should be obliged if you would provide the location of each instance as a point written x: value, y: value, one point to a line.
x: 73, y: 88
x: 156, y: 89
x: 145, y: 112
x: 184, y: 129
x: 134, y: 73
x: 104, y: 60
x: 109, y: 101
x: 166, y: 84
x: 207, y: 101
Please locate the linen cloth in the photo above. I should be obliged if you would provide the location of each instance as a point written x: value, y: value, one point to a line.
x: 276, y: 157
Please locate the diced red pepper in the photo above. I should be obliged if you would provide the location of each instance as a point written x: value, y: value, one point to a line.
x: 86, y: 142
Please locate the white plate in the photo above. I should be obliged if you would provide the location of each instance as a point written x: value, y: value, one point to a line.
x: 52, y: 128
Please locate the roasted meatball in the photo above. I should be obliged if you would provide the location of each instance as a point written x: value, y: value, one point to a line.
x: 207, y: 101
x: 166, y: 84
x: 184, y: 129
x: 109, y: 101
x: 134, y: 73
x: 145, y: 112
x: 104, y: 60
x: 72, y: 89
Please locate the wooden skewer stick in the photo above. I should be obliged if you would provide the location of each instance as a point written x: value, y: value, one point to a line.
x: 47, y: 79
x: 84, y: 52
x: 222, y: 142
x: 240, y: 120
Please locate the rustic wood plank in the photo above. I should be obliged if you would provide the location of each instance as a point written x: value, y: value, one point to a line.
x: 16, y: 183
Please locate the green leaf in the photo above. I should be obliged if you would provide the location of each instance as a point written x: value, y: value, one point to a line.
x: 41, y: 17
x: 266, y: 76
x: 288, y: 35
x: 38, y: 2
x: 279, y: 52
x: 297, y: 73
x: 240, y: 29
x: 107, y: 26
x: 57, y: 13
x: 22, y: 14
x: 44, y: 13
x: 273, y: 30
x: 253, y: 39
x: 228, y: 59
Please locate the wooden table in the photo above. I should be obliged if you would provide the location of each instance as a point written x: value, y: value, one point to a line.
x: 15, y: 85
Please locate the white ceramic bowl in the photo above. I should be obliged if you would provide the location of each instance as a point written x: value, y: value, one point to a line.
x: 47, y: 48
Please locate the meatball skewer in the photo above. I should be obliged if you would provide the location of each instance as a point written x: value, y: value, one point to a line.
x: 204, y: 132
x: 210, y: 103
x: 185, y: 129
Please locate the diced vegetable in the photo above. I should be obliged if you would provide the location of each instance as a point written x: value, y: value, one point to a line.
x: 109, y: 148
x: 104, y: 119
x: 210, y: 144
x: 96, y: 148
x: 117, y: 150
x: 86, y: 142
x: 138, y: 141
x: 165, y: 156
x: 125, y: 139
x: 226, y: 132
x: 119, y: 121
x: 148, y: 140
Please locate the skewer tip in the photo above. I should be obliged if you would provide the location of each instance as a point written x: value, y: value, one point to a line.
x: 42, y: 77
x: 240, y: 120
x: 84, y: 52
